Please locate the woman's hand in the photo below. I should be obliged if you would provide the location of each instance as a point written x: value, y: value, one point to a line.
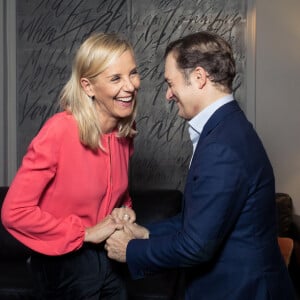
x: 123, y: 215
x: 101, y: 231
x: 136, y: 230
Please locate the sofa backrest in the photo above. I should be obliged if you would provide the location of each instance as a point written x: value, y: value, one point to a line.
x: 10, y: 248
x: 150, y: 206
x: 284, y: 209
x: 155, y: 204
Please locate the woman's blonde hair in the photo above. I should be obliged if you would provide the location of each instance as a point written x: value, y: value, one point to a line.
x: 95, y: 54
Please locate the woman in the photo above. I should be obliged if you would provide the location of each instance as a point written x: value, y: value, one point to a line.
x: 71, y: 191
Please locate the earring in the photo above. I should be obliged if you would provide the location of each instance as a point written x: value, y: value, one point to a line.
x: 92, y: 98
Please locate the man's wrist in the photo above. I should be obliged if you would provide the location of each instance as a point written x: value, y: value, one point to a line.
x: 147, y: 234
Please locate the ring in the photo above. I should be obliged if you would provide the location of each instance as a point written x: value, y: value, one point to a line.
x: 126, y: 217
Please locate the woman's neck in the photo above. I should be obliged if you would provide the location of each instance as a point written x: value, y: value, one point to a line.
x: 107, y: 124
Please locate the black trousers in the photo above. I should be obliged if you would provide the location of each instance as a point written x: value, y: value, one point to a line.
x: 86, y: 274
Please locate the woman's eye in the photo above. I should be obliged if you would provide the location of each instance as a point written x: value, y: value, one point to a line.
x: 115, y: 78
x: 134, y: 72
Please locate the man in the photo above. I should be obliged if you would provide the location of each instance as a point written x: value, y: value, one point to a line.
x: 225, y: 236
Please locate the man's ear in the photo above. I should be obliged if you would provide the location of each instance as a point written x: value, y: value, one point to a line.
x: 87, y: 86
x: 200, y: 77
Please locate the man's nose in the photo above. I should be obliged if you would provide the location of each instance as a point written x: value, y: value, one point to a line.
x: 169, y: 94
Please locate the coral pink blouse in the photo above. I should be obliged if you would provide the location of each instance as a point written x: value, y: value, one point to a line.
x: 63, y: 187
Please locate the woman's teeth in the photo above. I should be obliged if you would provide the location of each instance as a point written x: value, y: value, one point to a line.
x: 125, y: 99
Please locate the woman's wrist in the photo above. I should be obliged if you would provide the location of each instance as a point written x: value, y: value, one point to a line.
x: 86, y: 235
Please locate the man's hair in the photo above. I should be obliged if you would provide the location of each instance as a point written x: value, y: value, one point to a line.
x: 206, y: 50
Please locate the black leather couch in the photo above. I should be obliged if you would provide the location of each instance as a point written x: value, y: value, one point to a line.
x: 150, y: 206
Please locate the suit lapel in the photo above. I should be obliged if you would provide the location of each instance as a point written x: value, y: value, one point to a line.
x: 217, y: 117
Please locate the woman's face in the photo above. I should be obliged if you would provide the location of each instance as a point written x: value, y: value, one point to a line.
x: 115, y: 89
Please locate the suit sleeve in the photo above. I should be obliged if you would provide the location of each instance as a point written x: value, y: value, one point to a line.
x: 165, y: 227
x: 214, y: 197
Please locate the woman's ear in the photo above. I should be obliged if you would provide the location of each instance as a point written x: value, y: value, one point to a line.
x: 200, y: 77
x: 87, y: 86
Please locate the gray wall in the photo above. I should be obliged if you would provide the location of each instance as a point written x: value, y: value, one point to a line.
x: 276, y: 110
x: 277, y: 90
x: 8, y: 123
x: 49, y: 32
x: 2, y: 122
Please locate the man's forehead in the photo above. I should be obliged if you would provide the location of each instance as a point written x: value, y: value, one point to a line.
x: 170, y: 63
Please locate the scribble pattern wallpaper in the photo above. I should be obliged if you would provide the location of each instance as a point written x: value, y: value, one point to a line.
x: 49, y: 32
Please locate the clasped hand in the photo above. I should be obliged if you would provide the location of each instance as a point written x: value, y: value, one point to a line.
x: 117, y: 229
x: 116, y: 244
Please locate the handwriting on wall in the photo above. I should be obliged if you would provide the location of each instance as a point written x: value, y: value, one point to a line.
x: 49, y: 33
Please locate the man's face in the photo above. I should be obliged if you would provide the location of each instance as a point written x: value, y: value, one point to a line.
x: 184, y: 92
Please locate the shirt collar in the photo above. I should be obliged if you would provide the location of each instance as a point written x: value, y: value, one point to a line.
x: 198, y: 122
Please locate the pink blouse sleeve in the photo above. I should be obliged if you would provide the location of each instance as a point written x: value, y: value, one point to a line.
x: 21, y: 212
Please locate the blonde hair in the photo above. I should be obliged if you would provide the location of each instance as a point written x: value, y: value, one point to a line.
x: 95, y: 54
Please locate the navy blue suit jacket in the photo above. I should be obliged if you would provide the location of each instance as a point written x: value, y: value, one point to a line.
x: 225, y: 236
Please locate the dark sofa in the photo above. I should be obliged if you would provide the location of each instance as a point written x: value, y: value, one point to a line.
x: 15, y: 283
x: 289, y: 226
x: 150, y: 206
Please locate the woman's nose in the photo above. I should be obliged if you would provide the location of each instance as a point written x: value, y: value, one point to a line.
x: 129, y: 85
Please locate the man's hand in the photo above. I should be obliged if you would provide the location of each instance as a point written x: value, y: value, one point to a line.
x: 116, y: 244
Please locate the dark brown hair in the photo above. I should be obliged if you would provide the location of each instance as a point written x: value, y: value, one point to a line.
x: 207, y: 50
